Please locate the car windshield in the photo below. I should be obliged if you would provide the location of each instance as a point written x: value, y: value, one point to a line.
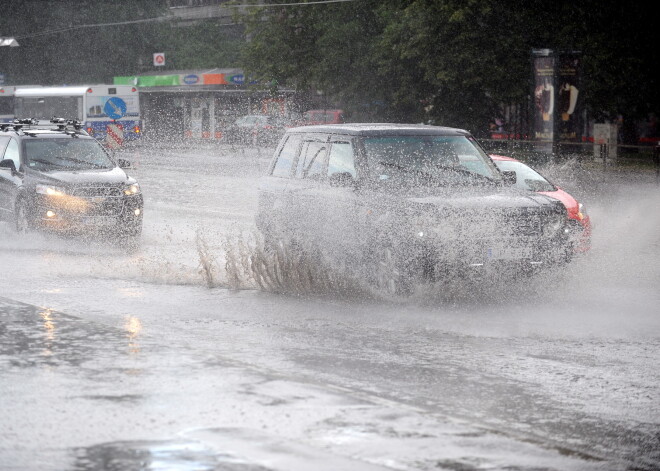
x: 66, y: 154
x: 526, y: 177
x: 434, y: 159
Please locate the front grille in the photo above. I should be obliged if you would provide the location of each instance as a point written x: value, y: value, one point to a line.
x: 523, y: 224
x: 97, y: 191
x: 105, y: 208
x: 101, y: 200
x: 500, y: 225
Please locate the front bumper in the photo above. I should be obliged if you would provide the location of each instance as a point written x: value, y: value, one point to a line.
x: 84, y: 214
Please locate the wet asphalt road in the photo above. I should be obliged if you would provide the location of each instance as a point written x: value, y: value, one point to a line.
x: 132, y: 362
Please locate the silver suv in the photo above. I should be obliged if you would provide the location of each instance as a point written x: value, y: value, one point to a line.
x: 405, y: 203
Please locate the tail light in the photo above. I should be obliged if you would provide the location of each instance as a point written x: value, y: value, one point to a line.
x: 90, y: 130
x: 89, y: 90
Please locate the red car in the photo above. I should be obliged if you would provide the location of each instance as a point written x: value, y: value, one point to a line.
x: 313, y: 117
x: 529, y: 179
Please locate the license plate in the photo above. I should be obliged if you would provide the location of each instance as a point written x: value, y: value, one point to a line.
x: 508, y: 253
x: 98, y: 221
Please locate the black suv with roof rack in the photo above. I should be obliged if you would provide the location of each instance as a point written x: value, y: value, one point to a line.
x: 55, y: 176
x: 405, y: 203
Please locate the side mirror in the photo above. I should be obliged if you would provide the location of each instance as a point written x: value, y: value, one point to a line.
x: 342, y: 179
x: 8, y: 163
x: 123, y: 163
x: 509, y: 177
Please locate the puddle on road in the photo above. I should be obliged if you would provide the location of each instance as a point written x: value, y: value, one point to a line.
x: 169, y: 455
x: 217, y: 449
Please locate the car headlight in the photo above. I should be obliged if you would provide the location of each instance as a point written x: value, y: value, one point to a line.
x: 553, y: 224
x: 50, y: 190
x: 582, y: 211
x: 133, y: 189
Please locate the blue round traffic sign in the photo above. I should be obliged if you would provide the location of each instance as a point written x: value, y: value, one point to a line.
x: 115, y: 108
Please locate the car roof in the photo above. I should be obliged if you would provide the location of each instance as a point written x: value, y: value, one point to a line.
x: 380, y: 129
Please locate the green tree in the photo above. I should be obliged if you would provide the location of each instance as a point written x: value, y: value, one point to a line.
x: 453, y: 61
x: 66, y: 42
x: 86, y: 41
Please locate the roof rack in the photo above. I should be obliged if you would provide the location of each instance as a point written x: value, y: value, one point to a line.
x: 17, y: 124
x: 62, y: 124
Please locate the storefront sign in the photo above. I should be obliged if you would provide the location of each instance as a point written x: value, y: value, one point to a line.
x: 232, y: 77
x: 191, y: 79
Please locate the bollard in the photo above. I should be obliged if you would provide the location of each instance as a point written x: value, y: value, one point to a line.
x: 603, y: 155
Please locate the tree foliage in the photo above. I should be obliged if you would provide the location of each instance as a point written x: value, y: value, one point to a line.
x: 443, y: 61
x: 57, y: 46
x: 80, y: 41
x: 453, y: 61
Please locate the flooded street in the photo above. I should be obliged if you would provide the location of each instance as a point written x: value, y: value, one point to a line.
x: 170, y: 357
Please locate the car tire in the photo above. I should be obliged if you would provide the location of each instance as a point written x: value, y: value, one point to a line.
x: 22, y: 221
x: 390, y: 276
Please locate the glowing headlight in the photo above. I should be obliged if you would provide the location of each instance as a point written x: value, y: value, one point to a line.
x: 50, y: 190
x: 133, y: 189
x: 553, y: 224
x: 582, y: 211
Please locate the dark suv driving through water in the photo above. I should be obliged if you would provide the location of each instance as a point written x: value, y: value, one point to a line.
x: 57, y: 177
x: 405, y: 203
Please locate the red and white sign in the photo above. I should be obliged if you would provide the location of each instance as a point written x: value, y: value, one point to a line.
x: 159, y: 58
x: 114, y: 136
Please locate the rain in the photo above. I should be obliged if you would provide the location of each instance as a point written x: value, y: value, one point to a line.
x: 206, y: 342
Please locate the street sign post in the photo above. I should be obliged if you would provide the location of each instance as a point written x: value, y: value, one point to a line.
x: 159, y: 59
x: 115, y: 108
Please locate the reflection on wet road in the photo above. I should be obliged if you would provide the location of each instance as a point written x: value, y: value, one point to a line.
x: 134, y: 363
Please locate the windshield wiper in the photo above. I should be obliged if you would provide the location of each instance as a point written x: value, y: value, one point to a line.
x: 84, y: 162
x: 42, y: 161
x: 410, y: 170
x: 464, y: 172
x: 392, y: 164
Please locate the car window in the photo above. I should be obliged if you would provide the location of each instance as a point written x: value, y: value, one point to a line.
x: 246, y: 121
x: 286, y: 157
x: 11, y: 153
x: 526, y: 177
x: 47, y: 107
x: 341, y: 159
x: 448, y: 158
x: 66, y: 154
x: 311, y: 160
x: 4, y: 140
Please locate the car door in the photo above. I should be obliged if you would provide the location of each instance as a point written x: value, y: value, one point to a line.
x: 9, y: 181
x: 273, y: 200
x: 343, y: 222
x: 305, y: 187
